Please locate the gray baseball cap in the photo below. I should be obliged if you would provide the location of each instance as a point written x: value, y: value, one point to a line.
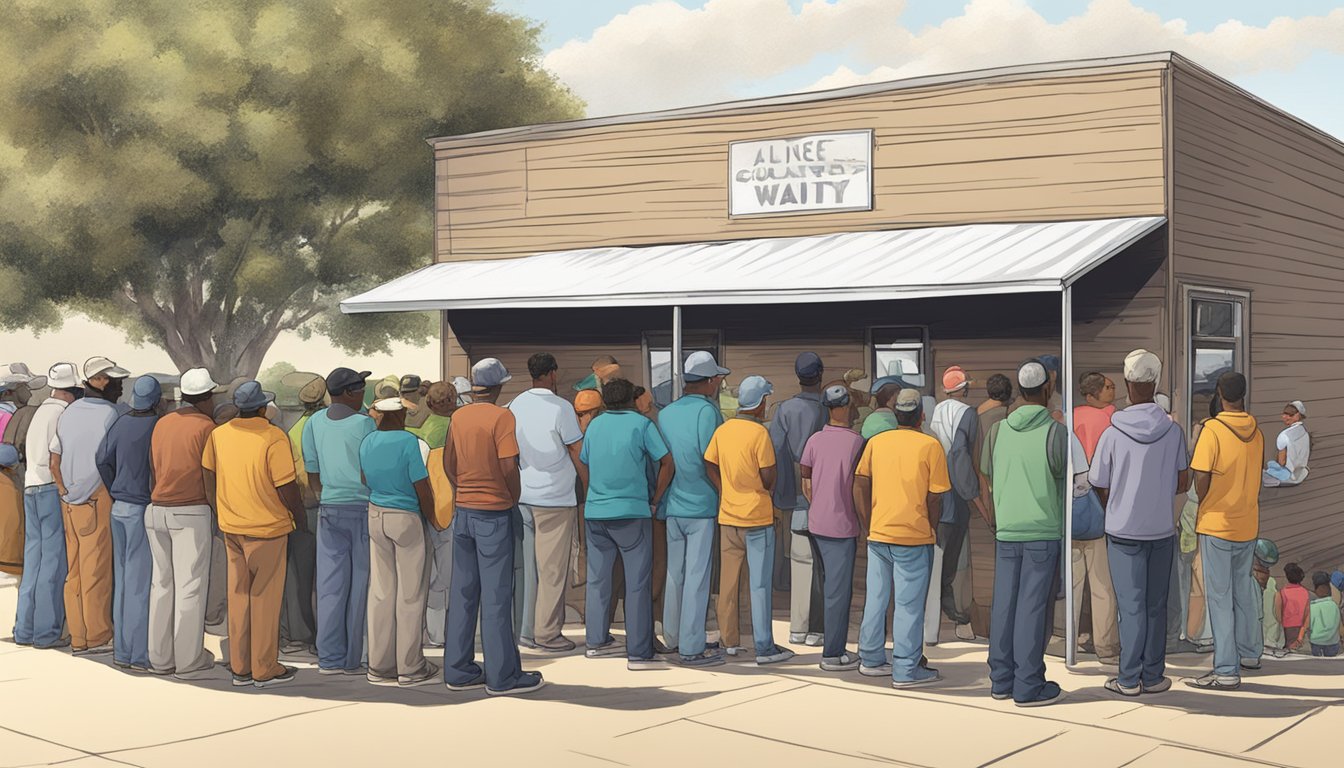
x: 836, y: 396
x: 702, y: 365
x: 488, y: 373
x: 908, y: 401
x: 752, y: 391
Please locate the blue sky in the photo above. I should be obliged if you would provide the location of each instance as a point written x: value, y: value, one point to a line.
x: 1307, y: 87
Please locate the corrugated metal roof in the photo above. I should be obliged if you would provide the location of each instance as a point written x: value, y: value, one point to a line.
x: 852, y: 266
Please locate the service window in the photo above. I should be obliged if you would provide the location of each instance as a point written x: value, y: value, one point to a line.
x: 899, y: 351
x: 658, y: 358
x: 1216, y: 322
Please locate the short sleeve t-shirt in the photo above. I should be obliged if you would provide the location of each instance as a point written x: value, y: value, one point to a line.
x: 832, y: 456
x: 617, y: 450
x: 434, y: 430
x: 41, y: 433
x: 250, y: 458
x: 175, y: 454
x: 331, y: 449
x: 877, y: 422
x: 546, y: 426
x: 79, y: 433
x: 1089, y: 423
x: 688, y: 425
x: 482, y: 435
x: 741, y: 448
x: 392, y: 465
x: 1297, y: 443
x: 1230, y: 448
x: 905, y: 466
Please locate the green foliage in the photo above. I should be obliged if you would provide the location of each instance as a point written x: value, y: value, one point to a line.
x: 271, y: 379
x: 207, y: 175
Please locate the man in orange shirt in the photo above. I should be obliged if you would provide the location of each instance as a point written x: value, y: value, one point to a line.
x: 900, y: 480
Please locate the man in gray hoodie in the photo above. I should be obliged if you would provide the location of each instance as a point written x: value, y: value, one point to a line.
x: 1139, y: 466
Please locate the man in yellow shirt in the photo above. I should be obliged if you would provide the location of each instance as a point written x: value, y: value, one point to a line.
x: 899, y: 482
x: 740, y: 462
x: 258, y: 504
x: 1227, y: 465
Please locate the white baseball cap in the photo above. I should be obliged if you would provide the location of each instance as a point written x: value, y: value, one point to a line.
x: 1032, y: 375
x: 388, y: 405
x: 18, y: 373
x: 701, y: 365
x: 63, y: 376
x: 1300, y: 406
x: 197, y: 381
x: 95, y: 366
x: 1142, y: 367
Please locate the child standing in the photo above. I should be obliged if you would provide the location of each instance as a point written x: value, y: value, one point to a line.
x: 1323, y: 618
x: 1291, y: 607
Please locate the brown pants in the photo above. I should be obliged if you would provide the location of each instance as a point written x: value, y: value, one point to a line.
x: 1091, y: 568
x: 555, y: 527
x: 88, y: 580
x: 732, y: 556
x: 256, y: 587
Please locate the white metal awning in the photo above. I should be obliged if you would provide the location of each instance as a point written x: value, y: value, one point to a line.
x: 973, y: 259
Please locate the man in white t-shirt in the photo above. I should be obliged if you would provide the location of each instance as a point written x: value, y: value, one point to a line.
x: 1294, y: 448
x: 549, y: 440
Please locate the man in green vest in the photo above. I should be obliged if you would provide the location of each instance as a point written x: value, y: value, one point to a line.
x: 1024, y: 458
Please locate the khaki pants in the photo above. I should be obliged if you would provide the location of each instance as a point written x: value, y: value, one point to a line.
x: 88, y: 580
x: 555, y: 528
x: 256, y: 569
x: 755, y: 547
x: 1092, y: 569
x: 398, y: 589
x: 180, y: 543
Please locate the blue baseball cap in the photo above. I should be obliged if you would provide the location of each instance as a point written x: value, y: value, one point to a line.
x: 1051, y: 363
x: 1337, y: 579
x: 9, y: 455
x: 250, y: 396
x: 146, y: 393
x: 887, y: 381
x: 752, y: 391
x: 808, y: 365
x: 343, y: 379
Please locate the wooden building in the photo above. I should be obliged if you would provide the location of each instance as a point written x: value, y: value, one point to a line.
x: 1214, y: 228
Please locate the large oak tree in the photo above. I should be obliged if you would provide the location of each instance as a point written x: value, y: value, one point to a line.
x: 208, y: 175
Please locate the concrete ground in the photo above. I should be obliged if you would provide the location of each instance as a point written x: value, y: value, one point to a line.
x: 60, y: 710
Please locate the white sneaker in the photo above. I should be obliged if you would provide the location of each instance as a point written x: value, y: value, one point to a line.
x: 774, y: 657
x: 814, y: 640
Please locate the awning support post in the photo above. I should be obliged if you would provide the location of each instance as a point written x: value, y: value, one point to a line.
x: 677, y: 373
x: 1066, y: 552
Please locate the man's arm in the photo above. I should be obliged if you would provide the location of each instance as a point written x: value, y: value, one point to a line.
x: 425, y: 495
x: 768, y: 476
x: 315, y: 484
x: 55, y: 467
x: 513, y: 477
x: 806, y: 473
x: 575, y: 449
x: 105, y: 461
x: 292, y: 498
x: 208, y: 479
x: 665, y: 471
x: 1182, y: 482
x: 934, y: 511
x: 863, y: 500
x: 450, y: 460
x: 712, y: 472
x: 1202, y: 482
x: 1283, y: 457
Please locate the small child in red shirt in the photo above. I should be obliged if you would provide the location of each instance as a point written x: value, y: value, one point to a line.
x: 1291, y: 606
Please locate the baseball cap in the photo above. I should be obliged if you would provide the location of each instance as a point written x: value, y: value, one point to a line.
x: 388, y: 386
x: 1298, y: 404
x: 101, y: 365
x: 752, y: 391
x: 343, y: 379
x: 1320, y: 579
x: 63, y: 376
x: 463, y: 388
x: 587, y: 400
x: 249, y: 396
x: 835, y: 396
x: 9, y: 455
x: 313, y: 392
x: 808, y: 365
x: 701, y: 365
x: 18, y: 373
x: 146, y: 393
x: 1337, y: 579
x: 886, y: 381
x: 1266, y: 551
x: 1032, y: 375
x: 1142, y: 367
x: 197, y: 381
x: 488, y: 373
x: 1163, y: 402
x: 955, y: 379
x: 388, y: 405
x: 1051, y: 363
x: 410, y: 383
x: 908, y: 401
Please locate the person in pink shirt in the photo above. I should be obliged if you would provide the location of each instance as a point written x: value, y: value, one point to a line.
x: 1093, y: 417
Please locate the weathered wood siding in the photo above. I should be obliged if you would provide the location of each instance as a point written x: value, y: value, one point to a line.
x: 1030, y: 148
x: 1259, y: 206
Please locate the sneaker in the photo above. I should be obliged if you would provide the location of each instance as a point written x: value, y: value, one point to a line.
x: 359, y: 671
x: 528, y: 643
x: 477, y: 683
x: 63, y: 642
x: 881, y: 670
x: 735, y: 650
x: 169, y: 672
x: 1113, y: 685
x: 775, y: 656
x: 814, y: 640
x: 842, y: 663
x: 330, y: 671
x: 377, y: 679
x: 240, y: 681
x: 921, y: 677
x: 1161, y: 686
x: 612, y: 647
x: 286, y: 676
x: 706, y: 659
x: 1215, y: 682
x: 1181, y: 646
x: 964, y: 632
x: 97, y: 650
x: 121, y: 664
x: 1108, y: 661
x: 645, y: 665
x: 1251, y: 664
x: 1050, y: 694
x: 530, y: 682
x: 661, y: 649
x: 430, y: 672
x: 144, y: 670
x: 798, y: 638
x: 291, y: 648
x: 198, y: 674
x: 997, y: 696
x: 558, y: 645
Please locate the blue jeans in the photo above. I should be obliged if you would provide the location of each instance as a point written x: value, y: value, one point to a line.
x: 342, y: 584
x: 1234, y: 602
x: 41, y: 611
x: 690, y: 555
x: 1141, y: 577
x: 834, y: 560
x: 633, y: 540
x: 1025, y: 574
x: 482, y: 582
x: 1279, y: 472
x: 757, y: 547
x: 901, y: 573
x: 525, y: 573
x: 1326, y: 651
x: 132, y: 569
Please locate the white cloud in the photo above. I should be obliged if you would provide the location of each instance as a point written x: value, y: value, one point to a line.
x: 662, y: 55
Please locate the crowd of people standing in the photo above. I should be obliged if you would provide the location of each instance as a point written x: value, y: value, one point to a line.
x: 427, y: 516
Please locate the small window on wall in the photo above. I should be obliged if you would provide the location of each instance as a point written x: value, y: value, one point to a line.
x: 899, y: 352
x: 658, y: 359
x: 1216, y: 321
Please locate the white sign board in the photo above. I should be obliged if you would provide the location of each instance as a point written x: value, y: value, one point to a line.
x: 805, y: 174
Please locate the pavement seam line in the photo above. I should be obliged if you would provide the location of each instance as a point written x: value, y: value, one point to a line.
x: 83, y: 752
x: 1290, y: 727
x: 1022, y: 749
x: 1139, y: 757
x: 718, y: 709
x: 599, y: 757
x: 857, y: 756
x: 226, y: 731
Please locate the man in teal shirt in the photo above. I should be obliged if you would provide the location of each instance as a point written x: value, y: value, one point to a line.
x: 692, y: 508
x: 1025, y: 459
x: 618, y: 518
x: 331, y: 440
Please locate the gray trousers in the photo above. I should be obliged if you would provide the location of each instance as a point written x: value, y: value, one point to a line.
x: 524, y: 574
x: 397, y: 589
x: 298, y: 619
x: 806, y: 603
x: 439, y: 573
x: 180, y: 543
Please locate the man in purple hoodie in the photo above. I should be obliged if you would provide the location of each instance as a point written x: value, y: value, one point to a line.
x: 1139, y: 466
